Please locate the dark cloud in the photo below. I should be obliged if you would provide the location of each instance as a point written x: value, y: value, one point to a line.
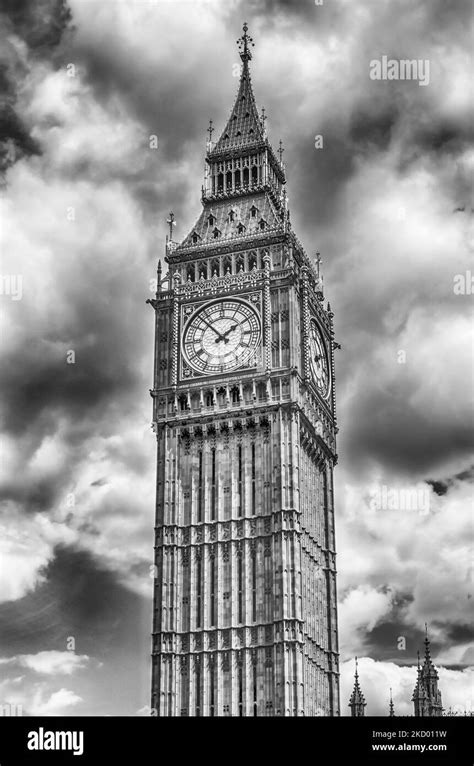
x: 40, y: 25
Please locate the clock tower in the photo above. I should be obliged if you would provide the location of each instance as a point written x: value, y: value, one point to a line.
x: 244, y: 620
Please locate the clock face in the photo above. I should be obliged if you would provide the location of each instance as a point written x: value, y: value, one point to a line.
x: 221, y: 336
x: 318, y: 359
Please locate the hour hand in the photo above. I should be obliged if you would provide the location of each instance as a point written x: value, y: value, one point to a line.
x: 225, y: 334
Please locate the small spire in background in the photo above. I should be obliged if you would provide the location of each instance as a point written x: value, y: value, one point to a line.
x: 391, y: 708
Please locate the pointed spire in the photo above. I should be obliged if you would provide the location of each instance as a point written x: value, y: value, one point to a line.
x: 357, y: 701
x: 391, y: 708
x: 244, y: 126
x: 427, y: 646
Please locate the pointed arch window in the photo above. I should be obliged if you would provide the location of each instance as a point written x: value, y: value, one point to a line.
x: 241, y: 228
x: 238, y: 133
x: 211, y: 220
x: 231, y: 216
x: 251, y: 131
x: 216, y: 233
x: 253, y: 211
x: 247, y: 114
x: 262, y: 224
x: 253, y: 261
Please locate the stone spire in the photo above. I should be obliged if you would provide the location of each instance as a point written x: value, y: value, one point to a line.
x: 426, y: 695
x: 244, y: 126
x: 390, y: 707
x: 357, y: 701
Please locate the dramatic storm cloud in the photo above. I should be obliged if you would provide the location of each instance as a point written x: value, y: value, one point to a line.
x: 378, y: 182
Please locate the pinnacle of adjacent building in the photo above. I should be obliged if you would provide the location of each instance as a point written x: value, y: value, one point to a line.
x: 356, y: 698
x: 428, y: 667
x: 244, y: 126
x: 391, y: 707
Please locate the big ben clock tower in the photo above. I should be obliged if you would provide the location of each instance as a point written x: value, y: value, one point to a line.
x: 245, y: 620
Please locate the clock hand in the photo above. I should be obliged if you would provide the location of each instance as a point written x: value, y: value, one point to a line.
x: 219, y: 336
x: 225, y: 334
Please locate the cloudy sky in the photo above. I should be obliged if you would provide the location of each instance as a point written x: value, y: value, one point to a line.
x: 84, y: 201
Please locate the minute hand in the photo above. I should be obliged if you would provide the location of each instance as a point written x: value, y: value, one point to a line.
x: 219, y: 336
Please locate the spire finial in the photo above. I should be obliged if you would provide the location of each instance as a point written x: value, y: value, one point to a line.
x: 356, y: 670
x: 427, y: 645
x: 318, y: 264
x: 280, y: 150
x: 244, y: 42
x: 263, y: 118
x: 171, y: 222
x: 210, y: 130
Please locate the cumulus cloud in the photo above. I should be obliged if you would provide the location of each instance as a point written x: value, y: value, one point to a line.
x: 377, y: 678
x: 50, y: 662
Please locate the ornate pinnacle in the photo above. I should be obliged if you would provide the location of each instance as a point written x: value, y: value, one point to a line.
x: 280, y: 151
x: 210, y: 130
x: 171, y: 222
x: 244, y: 42
x: 391, y: 708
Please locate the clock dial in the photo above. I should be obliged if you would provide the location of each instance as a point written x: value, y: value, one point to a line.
x: 221, y: 336
x: 318, y: 360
